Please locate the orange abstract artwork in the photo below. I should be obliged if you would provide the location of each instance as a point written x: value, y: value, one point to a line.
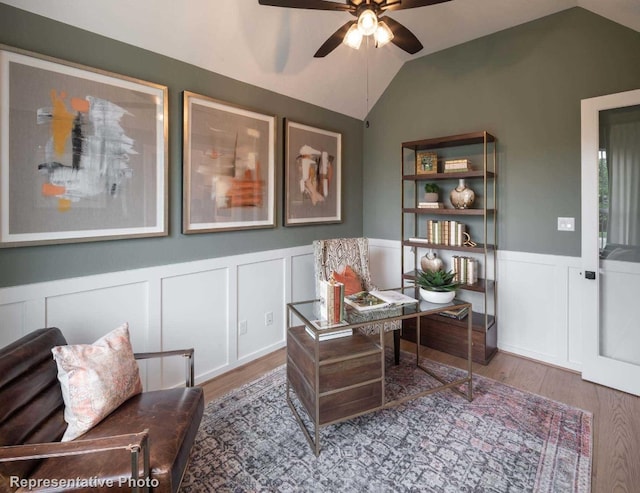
x: 88, y: 151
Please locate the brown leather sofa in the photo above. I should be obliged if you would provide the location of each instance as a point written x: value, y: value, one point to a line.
x: 151, y: 433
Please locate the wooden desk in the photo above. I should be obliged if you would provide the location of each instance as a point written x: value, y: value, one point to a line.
x: 341, y: 378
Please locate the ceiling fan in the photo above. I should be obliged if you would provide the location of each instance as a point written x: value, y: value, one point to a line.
x: 370, y: 21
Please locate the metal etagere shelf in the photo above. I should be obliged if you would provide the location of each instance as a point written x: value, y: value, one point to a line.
x: 480, y: 220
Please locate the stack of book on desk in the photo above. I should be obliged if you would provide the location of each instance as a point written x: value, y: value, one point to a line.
x: 322, y: 324
x: 362, y: 301
x: 331, y: 311
x: 331, y: 301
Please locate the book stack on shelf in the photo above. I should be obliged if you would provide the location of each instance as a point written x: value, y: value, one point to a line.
x: 448, y: 233
x: 455, y: 312
x: 457, y: 165
x: 430, y: 205
x: 465, y: 269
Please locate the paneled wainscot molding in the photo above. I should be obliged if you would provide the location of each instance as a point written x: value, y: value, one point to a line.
x: 203, y: 304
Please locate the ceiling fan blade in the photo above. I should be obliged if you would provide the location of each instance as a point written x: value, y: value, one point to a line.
x: 307, y: 4
x: 402, y: 37
x: 333, y: 42
x: 409, y: 4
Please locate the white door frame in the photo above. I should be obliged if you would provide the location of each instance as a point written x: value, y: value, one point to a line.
x: 597, y: 368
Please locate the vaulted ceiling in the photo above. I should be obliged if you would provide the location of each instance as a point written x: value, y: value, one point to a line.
x: 273, y: 47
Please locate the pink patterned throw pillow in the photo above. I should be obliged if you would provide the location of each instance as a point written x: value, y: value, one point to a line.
x: 95, y: 379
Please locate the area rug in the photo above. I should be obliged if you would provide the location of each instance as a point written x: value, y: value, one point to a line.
x: 506, y: 440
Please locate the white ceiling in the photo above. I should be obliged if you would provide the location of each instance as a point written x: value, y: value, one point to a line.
x: 273, y: 47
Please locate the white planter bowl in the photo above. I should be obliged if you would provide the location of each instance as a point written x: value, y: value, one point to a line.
x: 437, y: 296
x: 431, y: 197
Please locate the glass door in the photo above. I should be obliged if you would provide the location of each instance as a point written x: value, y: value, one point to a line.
x: 611, y: 240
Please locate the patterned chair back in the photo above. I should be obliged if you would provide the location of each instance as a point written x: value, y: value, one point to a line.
x: 335, y: 254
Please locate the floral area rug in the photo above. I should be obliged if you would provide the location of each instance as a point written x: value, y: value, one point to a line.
x: 506, y: 440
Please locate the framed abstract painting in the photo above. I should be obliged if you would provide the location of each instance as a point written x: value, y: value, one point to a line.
x: 228, y: 167
x: 83, y: 153
x: 312, y: 175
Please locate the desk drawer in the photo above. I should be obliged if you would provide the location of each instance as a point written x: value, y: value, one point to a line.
x: 348, y: 372
x: 350, y: 402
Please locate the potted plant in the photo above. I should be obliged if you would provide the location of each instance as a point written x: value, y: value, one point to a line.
x: 431, y: 191
x: 437, y: 286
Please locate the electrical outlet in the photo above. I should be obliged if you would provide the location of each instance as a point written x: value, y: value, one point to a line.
x: 242, y: 327
x: 268, y: 318
x: 566, y: 224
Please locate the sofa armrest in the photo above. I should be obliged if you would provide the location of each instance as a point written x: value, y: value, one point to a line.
x: 185, y: 353
x: 134, y: 443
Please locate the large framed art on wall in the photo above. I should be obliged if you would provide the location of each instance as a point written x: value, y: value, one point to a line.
x: 228, y: 167
x: 83, y: 153
x: 312, y: 175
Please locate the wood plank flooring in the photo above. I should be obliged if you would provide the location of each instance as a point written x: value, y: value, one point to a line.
x: 616, y: 415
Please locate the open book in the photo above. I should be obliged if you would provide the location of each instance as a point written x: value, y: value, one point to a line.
x: 364, y: 300
x: 395, y: 297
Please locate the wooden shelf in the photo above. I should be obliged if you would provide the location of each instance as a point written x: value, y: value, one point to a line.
x: 448, y: 176
x: 419, y: 244
x: 481, y: 286
x: 477, y: 321
x: 450, y: 141
x: 446, y: 212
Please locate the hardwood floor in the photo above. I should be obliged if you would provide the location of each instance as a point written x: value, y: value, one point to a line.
x: 239, y: 376
x: 616, y: 415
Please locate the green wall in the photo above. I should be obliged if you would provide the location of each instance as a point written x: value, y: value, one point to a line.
x: 23, y: 265
x: 522, y: 84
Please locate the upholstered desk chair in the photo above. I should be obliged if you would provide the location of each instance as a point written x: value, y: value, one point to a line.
x: 345, y: 257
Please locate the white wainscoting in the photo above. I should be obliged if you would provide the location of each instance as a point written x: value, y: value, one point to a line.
x: 540, y: 306
x: 194, y: 304
x: 201, y: 304
x: 539, y: 301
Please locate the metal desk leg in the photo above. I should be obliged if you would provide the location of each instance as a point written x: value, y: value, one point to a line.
x: 315, y: 444
x: 418, y: 340
x: 470, y: 355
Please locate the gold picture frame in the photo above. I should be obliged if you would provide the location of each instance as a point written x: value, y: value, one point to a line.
x: 426, y: 163
x: 313, y: 175
x: 228, y: 166
x: 83, y: 153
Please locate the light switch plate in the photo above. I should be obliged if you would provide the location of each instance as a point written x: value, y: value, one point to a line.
x: 566, y: 224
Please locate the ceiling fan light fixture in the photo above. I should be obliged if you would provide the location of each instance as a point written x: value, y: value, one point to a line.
x: 383, y: 34
x: 353, y: 38
x: 366, y: 12
x: 367, y: 22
